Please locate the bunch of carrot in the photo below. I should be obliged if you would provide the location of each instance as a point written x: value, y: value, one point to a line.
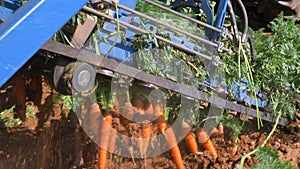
x: 148, y: 129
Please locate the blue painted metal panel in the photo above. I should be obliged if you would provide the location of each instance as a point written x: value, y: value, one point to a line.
x: 178, y: 3
x: 7, y: 8
x: 24, y: 33
x: 208, y: 12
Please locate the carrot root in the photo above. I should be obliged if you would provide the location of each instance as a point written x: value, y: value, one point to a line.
x: 93, y: 116
x: 105, y: 132
x: 102, y: 158
x: 112, y: 141
x: 191, y: 142
x: 233, y: 151
x: 207, y: 143
x: 146, y: 130
x: 171, y: 140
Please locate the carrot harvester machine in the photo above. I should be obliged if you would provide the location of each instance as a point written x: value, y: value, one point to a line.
x: 30, y: 25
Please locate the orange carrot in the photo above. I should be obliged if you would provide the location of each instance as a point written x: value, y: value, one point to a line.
x: 112, y: 140
x: 191, y: 142
x: 221, y: 128
x: 104, y: 140
x: 215, y: 131
x: 189, y: 138
x: 207, y: 143
x: 146, y: 130
x: 162, y: 125
x: 171, y: 140
x: 158, y: 111
x: 233, y: 151
x: 19, y: 91
x: 149, y: 109
x: 128, y: 111
x: 93, y: 115
x: 155, y: 129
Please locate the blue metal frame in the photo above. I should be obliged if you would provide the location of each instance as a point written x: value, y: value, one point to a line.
x: 205, y: 6
x: 24, y: 32
x: 220, y: 16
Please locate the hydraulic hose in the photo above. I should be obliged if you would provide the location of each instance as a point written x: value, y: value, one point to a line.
x: 233, y: 20
x: 244, y: 36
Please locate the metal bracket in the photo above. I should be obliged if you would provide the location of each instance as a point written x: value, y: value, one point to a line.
x: 83, y: 31
x: 220, y: 46
x: 224, y: 33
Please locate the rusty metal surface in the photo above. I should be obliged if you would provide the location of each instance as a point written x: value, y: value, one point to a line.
x: 83, y: 31
x: 101, y: 62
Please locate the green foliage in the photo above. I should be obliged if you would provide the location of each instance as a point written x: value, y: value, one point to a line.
x: 269, y: 159
x: 105, y: 97
x: 276, y: 67
x: 148, y: 9
x: 282, y: 102
x: 68, y: 103
x: 7, y: 118
x: 278, y: 56
x: 235, y: 125
x: 30, y: 111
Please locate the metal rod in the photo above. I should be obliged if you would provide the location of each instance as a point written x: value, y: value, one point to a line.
x: 183, y: 16
x: 179, y: 46
x: 167, y: 25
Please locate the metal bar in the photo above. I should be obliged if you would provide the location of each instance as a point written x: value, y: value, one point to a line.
x: 183, y: 16
x: 111, y: 64
x: 179, y: 46
x: 32, y: 25
x: 167, y: 25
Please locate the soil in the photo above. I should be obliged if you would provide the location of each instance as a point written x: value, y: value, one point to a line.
x: 50, y: 139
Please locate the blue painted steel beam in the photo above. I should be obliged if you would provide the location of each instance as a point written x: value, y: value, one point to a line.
x: 7, y: 8
x: 25, y: 32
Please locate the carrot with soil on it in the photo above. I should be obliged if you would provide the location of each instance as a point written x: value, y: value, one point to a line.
x: 112, y: 140
x: 221, y: 128
x: 159, y: 113
x: 215, y: 131
x: 146, y: 131
x: 105, y: 133
x: 93, y: 117
x: 113, y: 134
x: 175, y: 151
x: 207, y: 143
x: 189, y: 138
x: 149, y: 109
x: 191, y: 142
x: 233, y: 150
